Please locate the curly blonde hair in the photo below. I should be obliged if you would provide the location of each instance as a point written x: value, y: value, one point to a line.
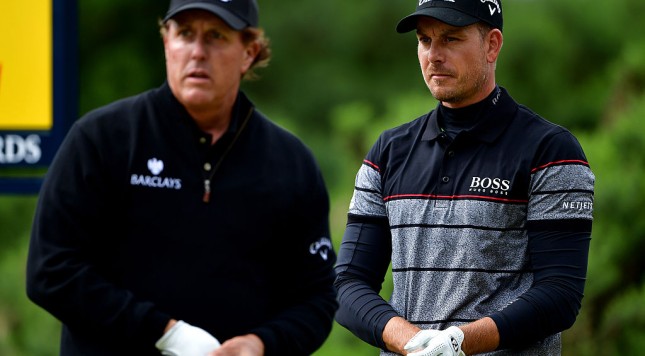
x: 263, y: 57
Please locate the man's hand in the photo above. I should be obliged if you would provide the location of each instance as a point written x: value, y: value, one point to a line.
x: 183, y: 339
x: 420, y: 341
x: 446, y: 343
x: 245, y: 345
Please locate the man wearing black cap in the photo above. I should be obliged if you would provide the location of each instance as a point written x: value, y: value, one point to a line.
x: 483, y: 209
x: 182, y: 220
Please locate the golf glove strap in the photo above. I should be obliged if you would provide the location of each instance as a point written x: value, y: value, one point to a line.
x: 184, y: 339
x: 420, y: 340
x: 445, y: 343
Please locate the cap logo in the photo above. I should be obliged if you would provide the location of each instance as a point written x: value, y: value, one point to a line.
x: 494, y: 7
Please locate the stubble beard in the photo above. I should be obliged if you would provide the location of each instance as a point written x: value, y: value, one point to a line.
x: 467, y: 86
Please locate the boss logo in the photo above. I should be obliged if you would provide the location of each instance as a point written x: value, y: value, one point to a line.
x: 490, y: 185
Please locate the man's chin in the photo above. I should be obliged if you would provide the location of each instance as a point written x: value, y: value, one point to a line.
x: 197, y: 98
x: 443, y: 95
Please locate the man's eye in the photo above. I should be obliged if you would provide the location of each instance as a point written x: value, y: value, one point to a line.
x: 216, y: 35
x: 185, y: 33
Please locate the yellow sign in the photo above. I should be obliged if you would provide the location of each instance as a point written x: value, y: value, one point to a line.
x: 26, y: 62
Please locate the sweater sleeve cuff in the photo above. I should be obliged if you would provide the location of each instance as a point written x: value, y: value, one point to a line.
x: 269, y: 339
x: 153, y: 325
x: 380, y: 327
x: 503, y: 329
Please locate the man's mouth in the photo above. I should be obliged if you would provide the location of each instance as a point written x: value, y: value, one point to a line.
x: 198, y: 74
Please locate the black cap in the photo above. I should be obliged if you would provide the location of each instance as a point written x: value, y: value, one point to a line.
x: 238, y: 14
x: 456, y: 13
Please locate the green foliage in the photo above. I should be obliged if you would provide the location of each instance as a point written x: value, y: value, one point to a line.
x: 15, y: 217
x: 612, y: 311
x: 340, y: 75
x: 24, y: 328
x: 558, y: 55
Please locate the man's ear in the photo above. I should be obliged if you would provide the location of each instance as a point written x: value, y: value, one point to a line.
x: 251, y: 51
x: 495, y: 40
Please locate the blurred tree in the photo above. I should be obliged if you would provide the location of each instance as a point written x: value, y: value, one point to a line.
x: 613, y: 318
x: 120, y: 49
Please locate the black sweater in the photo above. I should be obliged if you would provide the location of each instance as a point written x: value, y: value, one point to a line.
x: 122, y: 240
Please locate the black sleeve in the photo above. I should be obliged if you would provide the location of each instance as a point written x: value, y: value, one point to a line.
x: 363, y: 260
x: 558, y: 252
x: 61, y: 274
x: 309, y: 296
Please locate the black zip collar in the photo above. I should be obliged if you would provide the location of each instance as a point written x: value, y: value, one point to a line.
x: 488, y: 127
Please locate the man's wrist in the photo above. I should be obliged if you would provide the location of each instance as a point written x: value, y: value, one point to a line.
x: 480, y: 336
x: 397, y: 333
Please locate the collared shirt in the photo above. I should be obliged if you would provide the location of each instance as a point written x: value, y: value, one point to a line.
x: 454, y: 217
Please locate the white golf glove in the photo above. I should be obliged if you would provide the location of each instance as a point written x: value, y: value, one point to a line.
x: 445, y: 343
x: 420, y: 340
x: 184, y: 339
